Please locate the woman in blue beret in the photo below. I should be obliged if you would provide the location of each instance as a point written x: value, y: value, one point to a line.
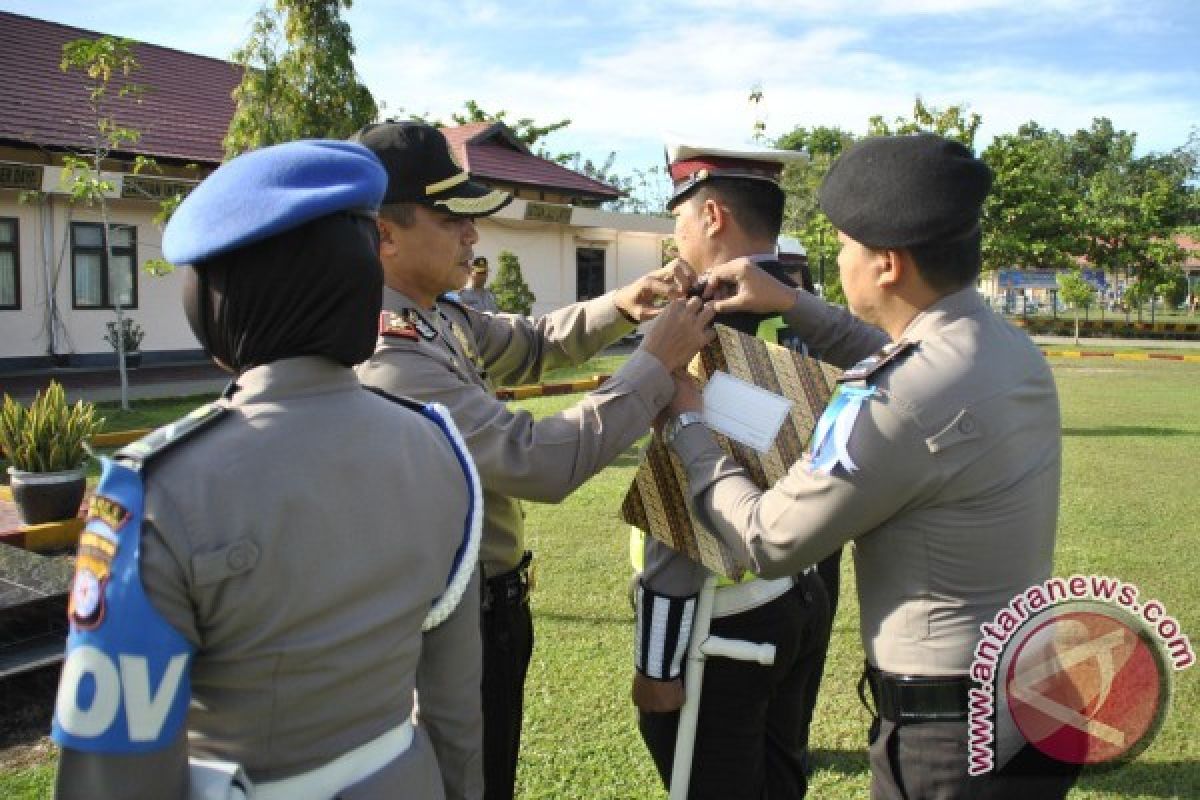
x: 263, y: 586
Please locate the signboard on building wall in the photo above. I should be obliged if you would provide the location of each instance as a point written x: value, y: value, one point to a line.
x: 548, y: 212
x: 20, y: 176
x: 1043, y: 278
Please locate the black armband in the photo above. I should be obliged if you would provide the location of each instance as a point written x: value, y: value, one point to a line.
x: 661, y: 633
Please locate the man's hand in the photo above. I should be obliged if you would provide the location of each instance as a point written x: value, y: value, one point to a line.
x: 679, y: 332
x: 741, y: 285
x: 646, y: 297
x: 653, y: 696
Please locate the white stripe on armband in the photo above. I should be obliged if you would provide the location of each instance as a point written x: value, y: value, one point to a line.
x: 663, y: 628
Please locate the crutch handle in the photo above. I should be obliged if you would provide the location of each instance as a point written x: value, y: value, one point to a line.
x: 738, y: 650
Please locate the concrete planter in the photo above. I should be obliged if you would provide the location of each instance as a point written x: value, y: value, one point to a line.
x: 46, y: 496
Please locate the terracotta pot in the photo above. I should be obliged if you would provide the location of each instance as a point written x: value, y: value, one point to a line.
x: 46, y: 496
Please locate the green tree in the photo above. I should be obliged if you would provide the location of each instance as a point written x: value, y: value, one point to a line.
x: 953, y: 122
x: 802, y: 217
x: 1030, y: 216
x: 299, y: 80
x: 1129, y: 207
x: 107, y: 63
x: 512, y: 293
x: 1074, y: 289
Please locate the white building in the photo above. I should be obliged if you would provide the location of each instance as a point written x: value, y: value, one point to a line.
x: 57, y: 285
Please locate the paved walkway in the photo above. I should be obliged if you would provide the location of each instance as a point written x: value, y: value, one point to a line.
x: 101, y: 385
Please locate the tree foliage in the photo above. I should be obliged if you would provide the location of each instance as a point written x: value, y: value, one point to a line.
x: 1074, y: 290
x: 512, y: 293
x: 299, y: 80
x: 952, y: 122
x: 107, y: 62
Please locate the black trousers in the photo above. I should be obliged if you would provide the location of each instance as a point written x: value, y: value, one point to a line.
x: 830, y: 570
x: 507, y: 648
x: 928, y: 761
x: 752, y: 730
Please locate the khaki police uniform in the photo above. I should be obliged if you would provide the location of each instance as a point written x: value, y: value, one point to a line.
x: 458, y: 357
x: 297, y: 542
x: 953, y: 503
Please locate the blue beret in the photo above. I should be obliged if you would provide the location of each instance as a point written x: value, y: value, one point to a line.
x: 266, y: 192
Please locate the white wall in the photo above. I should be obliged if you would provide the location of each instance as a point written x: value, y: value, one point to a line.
x: 44, y: 236
x: 546, y: 250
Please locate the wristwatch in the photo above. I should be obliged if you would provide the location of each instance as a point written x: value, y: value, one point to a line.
x: 679, y: 423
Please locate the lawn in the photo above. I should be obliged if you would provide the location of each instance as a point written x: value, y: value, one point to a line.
x: 1129, y: 509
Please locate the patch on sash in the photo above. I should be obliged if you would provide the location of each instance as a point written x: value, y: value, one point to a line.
x: 108, y: 511
x: 390, y: 324
x: 93, y: 566
x: 873, y: 363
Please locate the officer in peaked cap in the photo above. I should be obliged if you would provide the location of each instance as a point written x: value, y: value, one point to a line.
x: 939, y: 457
x: 435, y: 349
x: 751, y: 737
x: 476, y: 294
x: 269, y: 622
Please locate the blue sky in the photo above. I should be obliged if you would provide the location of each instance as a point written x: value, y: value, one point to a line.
x: 626, y: 72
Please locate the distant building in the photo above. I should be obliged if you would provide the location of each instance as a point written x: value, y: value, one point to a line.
x: 57, y: 286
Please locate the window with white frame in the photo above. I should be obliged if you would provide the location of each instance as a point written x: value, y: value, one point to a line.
x: 10, y: 265
x: 97, y: 281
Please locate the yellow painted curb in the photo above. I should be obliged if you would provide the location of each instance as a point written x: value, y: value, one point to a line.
x: 62, y: 535
x: 1132, y: 356
x: 118, y: 438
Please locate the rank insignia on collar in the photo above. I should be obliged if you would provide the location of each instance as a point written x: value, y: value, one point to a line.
x: 872, y: 364
x: 390, y: 324
x: 418, y: 322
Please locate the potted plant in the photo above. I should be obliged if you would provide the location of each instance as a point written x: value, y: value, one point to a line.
x: 45, y: 446
x: 132, y: 335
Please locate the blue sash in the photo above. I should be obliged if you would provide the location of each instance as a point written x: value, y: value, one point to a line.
x: 126, y: 684
x: 832, y: 434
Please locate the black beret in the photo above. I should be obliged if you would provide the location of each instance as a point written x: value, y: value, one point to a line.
x: 902, y: 191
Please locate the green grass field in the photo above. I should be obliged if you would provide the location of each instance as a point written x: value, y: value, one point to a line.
x: 1129, y: 509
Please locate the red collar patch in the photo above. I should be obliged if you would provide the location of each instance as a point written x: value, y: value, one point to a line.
x: 392, y: 324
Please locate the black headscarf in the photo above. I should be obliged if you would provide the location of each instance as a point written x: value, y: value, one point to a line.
x: 313, y: 290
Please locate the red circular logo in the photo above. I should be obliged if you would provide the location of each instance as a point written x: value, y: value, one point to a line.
x: 1087, y: 685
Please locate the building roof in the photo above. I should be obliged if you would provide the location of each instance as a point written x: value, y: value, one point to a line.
x: 184, y: 113
x: 1192, y: 245
x: 491, y: 151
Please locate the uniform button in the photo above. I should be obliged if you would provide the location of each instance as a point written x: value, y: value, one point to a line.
x: 966, y: 425
x: 240, y: 557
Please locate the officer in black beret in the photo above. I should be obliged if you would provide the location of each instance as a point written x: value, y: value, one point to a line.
x: 939, y: 457
x: 242, y: 594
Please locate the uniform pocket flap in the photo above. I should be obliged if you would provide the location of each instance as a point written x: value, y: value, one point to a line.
x: 236, y: 558
x: 963, y: 428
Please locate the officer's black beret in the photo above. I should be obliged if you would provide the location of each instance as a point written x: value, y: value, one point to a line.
x: 902, y: 191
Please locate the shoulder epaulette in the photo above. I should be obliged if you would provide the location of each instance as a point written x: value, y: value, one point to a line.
x: 453, y: 300
x: 160, y: 440
x: 411, y: 405
x: 871, y: 365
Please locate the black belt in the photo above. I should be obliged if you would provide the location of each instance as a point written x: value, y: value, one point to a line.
x: 915, y: 698
x: 508, y: 588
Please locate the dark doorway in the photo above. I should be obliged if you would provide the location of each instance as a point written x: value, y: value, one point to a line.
x: 589, y: 272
